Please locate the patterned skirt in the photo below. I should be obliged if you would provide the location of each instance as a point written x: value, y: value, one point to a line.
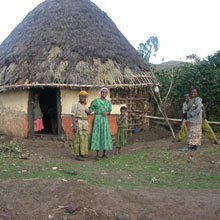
x: 194, y: 134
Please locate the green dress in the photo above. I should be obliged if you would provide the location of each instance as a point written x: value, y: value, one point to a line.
x: 100, y: 138
x: 121, y: 135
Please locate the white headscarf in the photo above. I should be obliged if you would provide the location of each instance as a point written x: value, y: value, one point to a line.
x: 100, y: 92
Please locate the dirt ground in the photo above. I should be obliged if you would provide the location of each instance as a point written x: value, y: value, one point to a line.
x: 41, y: 199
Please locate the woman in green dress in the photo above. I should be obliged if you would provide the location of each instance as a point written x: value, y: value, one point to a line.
x: 100, y: 138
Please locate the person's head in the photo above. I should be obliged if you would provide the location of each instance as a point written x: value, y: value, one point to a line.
x: 194, y: 92
x: 83, y: 97
x: 36, y: 95
x: 186, y: 97
x: 103, y: 93
x: 123, y: 110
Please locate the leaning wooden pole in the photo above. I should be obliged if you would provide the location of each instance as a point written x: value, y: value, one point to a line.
x: 161, y: 105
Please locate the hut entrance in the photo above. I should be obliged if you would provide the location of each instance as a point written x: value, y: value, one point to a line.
x: 49, y: 100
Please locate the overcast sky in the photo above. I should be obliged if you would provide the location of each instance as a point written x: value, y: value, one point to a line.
x: 183, y: 27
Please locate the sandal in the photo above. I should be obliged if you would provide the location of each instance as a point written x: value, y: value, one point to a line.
x: 194, y: 148
x: 80, y: 158
x: 184, y: 149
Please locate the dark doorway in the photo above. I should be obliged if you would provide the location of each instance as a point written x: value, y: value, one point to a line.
x: 49, y: 99
x: 48, y: 105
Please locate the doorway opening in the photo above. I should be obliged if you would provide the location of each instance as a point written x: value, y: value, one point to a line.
x: 48, y: 105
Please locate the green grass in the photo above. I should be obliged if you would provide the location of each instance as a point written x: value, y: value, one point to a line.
x: 126, y: 171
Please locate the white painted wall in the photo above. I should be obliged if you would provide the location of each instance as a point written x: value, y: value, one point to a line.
x: 14, y: 101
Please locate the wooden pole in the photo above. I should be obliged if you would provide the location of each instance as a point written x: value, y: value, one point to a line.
x: 175, y: 119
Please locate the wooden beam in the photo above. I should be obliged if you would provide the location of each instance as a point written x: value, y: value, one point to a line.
x: 28, y: 86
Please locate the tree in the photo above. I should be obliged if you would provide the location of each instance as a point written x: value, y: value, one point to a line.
x: 149, y: 48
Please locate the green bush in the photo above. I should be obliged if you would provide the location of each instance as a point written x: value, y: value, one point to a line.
x: 201, y: 73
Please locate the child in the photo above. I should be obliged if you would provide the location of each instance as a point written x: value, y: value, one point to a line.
x: 121, y: 136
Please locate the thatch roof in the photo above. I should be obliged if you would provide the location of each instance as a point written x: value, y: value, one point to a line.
x: 70, y: 42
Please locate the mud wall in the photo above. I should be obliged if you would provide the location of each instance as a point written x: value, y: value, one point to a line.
x: 13, y: 113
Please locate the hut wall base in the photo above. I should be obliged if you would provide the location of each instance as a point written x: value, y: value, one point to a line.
x: 67, y: 121
x: 14, y: 124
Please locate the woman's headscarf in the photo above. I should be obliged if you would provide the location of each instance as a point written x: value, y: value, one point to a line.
x: 84, y: 93
x: 100, y: 92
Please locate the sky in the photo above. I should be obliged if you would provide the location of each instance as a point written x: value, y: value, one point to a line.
x: 183, y: 27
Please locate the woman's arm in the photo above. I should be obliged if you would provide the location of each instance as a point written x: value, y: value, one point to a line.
x: 91, y: 107
x: 74, y: 110
x: 74, y: 126
x: 198, y: 108
x: 109, y: 109
x: 88, y: 111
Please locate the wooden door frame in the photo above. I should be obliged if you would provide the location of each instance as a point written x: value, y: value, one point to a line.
x: 59, y: 120
x: 31, y: 114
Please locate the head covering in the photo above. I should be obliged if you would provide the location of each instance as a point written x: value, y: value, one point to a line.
x: 100, y: 92
x: 83, y: 93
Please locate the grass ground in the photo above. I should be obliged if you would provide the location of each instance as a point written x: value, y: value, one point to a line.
x: 150, y: 166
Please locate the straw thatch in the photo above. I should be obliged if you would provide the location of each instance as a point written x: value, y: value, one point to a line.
x: 70, y: 42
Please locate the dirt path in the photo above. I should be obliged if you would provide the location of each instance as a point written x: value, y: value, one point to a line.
x: 36, y: 199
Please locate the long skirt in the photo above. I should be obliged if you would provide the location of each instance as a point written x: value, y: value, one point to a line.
x: 121, y: 137
x: 194, y: 134
x: 38, y: 124
x: 80, y: 143
x: 100, y: 138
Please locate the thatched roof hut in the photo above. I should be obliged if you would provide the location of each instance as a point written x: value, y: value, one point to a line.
x: 70, y: 44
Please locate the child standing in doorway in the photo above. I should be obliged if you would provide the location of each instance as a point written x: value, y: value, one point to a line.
x: 121, y: 135
x: 38, y: 115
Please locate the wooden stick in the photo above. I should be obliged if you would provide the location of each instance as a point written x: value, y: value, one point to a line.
x: 162, y: 118
x: 174, y: 119
x: 27, y: 86
x: 162, y: 110
x: 171, y: 85
x: 214, y: 122
x: 125, y: 99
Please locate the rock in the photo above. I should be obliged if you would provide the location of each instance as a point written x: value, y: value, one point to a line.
x: 71, y: 209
